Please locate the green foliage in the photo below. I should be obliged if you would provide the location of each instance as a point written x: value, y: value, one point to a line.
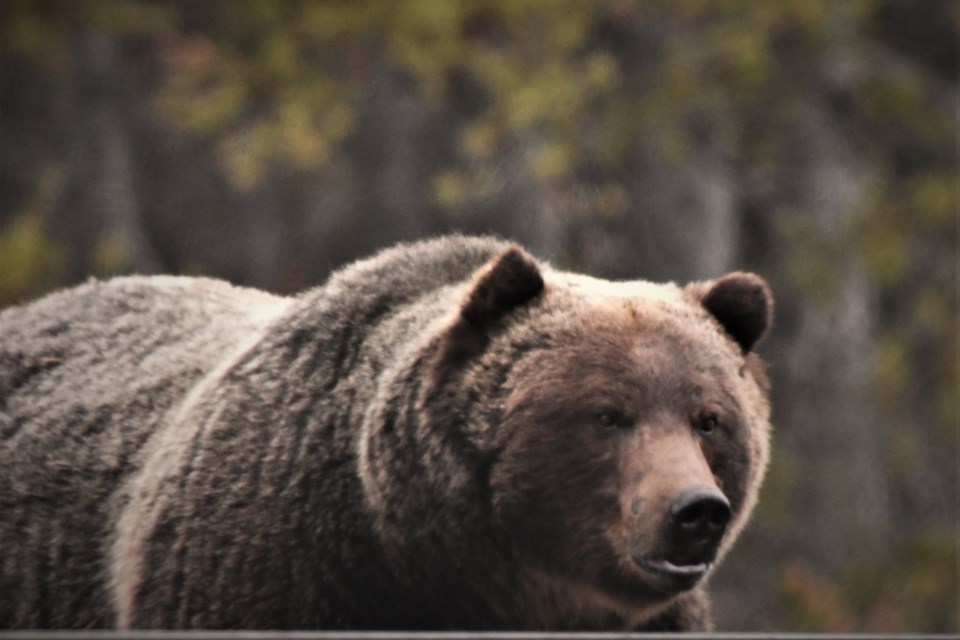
x: 907, y: 242
x: 30, y: 263
x: 262, y: 84
x: 109, y: 256
x: 776, y: 496
x: 812, y: 602
x: 815, y: 259
x: 43, y: 30
x: 277, y: 82
x: 915, y: 592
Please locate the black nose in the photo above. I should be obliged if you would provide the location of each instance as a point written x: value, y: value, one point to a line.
x: 697, y: 520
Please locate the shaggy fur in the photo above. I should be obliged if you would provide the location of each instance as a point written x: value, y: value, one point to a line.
x: 414, y: 445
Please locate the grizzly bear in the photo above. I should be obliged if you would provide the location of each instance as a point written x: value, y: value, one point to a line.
x: 449, y: 435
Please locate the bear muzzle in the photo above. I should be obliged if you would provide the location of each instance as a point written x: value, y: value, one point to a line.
x: 694, y: 525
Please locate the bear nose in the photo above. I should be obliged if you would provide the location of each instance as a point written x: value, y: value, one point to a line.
x: 697, y: 519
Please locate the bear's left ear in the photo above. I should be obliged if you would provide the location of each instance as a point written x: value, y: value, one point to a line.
x: 743, y: 305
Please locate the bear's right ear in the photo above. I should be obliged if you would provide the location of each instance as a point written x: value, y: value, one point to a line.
x: 505, y: 283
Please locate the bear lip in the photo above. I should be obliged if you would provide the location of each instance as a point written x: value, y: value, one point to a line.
x: 674, y: 577
x: 665, y: 566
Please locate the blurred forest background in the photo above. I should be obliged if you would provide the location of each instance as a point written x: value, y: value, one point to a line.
x: 813, y: 141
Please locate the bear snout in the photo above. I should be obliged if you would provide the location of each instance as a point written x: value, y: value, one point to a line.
x: 696, y: 521
x: 694, y: 524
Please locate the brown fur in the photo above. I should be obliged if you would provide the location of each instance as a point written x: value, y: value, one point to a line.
x: 655, y: 365
x: 450, y: 435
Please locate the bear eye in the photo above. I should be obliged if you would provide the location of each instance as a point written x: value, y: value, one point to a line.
x: 610, y: 419
x: 708, y: 423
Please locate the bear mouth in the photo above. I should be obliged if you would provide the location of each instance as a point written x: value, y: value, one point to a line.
x: 674, y: 577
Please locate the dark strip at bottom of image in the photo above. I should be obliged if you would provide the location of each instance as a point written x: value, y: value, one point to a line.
x: 356, y: 635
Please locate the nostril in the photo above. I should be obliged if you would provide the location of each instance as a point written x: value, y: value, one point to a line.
x: 691, y: 516
x: 700, y: 514
x: 720, y: 517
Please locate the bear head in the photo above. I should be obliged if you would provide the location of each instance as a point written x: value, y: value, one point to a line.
x: 623, y: 427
